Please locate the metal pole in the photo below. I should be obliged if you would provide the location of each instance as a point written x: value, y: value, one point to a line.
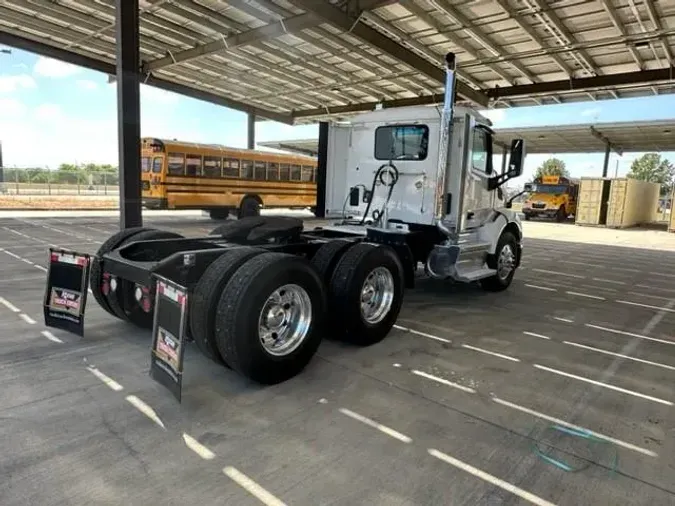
x: 505, y: 152
x: 606, y: 164
x: 251, y: 131
x: 321, y: 171
x: 2, y: 169
x: 128, y: 112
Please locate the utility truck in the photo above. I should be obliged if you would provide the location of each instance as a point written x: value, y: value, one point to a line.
x: 261, y: 292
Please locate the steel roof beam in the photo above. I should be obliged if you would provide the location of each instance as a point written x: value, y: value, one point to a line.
x: 654, y: 17
x: 619, y: 25
x: 585, y: 83
x: 609, y: 144
x: 56, y: 53
x: 352, y: 25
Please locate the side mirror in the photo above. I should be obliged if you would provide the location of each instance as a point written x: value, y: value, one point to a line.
x: 528, y: 188
x: 516, y: 158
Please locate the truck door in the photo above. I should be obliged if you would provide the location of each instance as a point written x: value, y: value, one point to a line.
x: 337, y: 169
x: 478, y: 201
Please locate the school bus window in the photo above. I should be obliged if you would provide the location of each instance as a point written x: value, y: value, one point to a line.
x: 295, y: 173
x: 194, y: 165
x: 230, y: 167
x: 157, y: 165
x: 247, y: 169
x: 259, y: 170
x: 145, y: 164
x: 284, y: 172
x: 212, y: 166
x: 176, y: 164
x: 273, y: 171
x: 306, y: 173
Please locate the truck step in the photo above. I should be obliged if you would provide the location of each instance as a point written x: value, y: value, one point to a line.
x: 475, y: 274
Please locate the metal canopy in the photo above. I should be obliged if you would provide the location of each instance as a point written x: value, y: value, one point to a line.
x: 303, y: 60
x: 633, y: 136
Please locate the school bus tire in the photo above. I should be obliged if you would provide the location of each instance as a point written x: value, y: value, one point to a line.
x: 96, y: 274
x: 250, y: 206
x: 122, y: 301
x: 204, y: 300
x: 269, y: 320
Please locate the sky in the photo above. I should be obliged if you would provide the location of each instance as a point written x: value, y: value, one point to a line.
x: 53, y: 112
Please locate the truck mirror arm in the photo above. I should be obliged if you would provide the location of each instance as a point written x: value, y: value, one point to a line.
x: 498, y: 180
x: 509, y: 203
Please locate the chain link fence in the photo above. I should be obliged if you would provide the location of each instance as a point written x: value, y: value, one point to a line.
x: 39, y: 181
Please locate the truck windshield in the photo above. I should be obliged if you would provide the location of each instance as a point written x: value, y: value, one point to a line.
x: 401, y: 142
x: 549, y: 188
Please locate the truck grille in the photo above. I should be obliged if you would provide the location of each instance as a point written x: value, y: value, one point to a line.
x: 538, y: 206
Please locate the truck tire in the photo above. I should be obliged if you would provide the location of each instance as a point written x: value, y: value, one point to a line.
x: 504, y: 260
x: 250, y: 206
x: 372, y: 271
x: 122, y: 301
x: 269, y: 317
x: 96, y: 274
x: 204, y: 299
x: 327, y: 257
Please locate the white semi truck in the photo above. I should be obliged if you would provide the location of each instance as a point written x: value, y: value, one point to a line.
x: 262, y: 292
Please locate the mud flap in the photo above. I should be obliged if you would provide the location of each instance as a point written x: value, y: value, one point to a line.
x: 66, y: 291
x: 168, y: 335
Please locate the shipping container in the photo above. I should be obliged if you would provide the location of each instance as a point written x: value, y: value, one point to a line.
x: 616, y: 202
x: 632, y: 202
x: 593, y: 201
x: 671, y: 225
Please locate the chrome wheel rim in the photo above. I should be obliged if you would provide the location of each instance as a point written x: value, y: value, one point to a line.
x: 506, y: 262
x: 377, y: 295
x: 285, y: 320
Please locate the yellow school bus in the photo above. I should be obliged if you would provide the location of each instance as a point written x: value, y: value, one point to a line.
x: 220, y: 179
x: 552, y: 197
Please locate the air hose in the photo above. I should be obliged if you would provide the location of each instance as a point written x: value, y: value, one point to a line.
x: 385, y: 169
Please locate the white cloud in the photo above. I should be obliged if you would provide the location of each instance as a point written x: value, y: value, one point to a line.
x: 153, y: 94
x: 87, y: 84
x: 594, y: 111
x: 47, y: 67
x: 47, y: 112
x: 10, y: 84
x: 11, y: 109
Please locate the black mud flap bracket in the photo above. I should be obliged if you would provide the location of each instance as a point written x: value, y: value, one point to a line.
x: 66, y: 292
x: 168, y: 335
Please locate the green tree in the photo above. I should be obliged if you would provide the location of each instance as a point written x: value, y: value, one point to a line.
x: 651, y: 167
x: 552, y: 167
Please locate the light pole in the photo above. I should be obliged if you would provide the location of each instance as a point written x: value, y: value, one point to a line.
x: 3, y: 50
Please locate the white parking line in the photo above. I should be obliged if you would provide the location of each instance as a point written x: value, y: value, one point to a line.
x: 9, y: 305
x: 51, y: 336
x: 545, y: 271
x: 588, y: 296
x: 630, y: 334
x: 145, y: 409
x: 609, y: 281
x: 657, y: 308
x: 371, y: 423
x: 663, y: 274
x: 661, y: 297
x: 566, y: 320
x: 605, y: 385
x: 423, y: 334
x: 509, y: 487
x: 585, y: 264
x: 543, y: 416
x: 14, y: 255
x: 627, y: 269
x: 487, y: 352
x: 252, y: 487
x: 40, y: 267
x: 541, y: 336
x: 443, y: 381
x: 105, y: 379
x: 600, y: 350
x: 651, y: 287
x: 27, y: 318
x: 198, y: 448
x: 548, y: 289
